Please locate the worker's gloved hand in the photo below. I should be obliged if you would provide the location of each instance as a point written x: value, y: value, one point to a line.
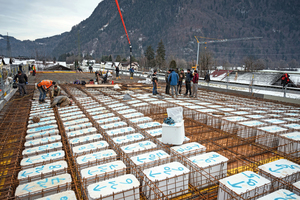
x: 14, y: 80
x: 26, y: 83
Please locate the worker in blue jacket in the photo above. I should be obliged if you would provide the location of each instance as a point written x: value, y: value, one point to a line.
x: 173, y: 80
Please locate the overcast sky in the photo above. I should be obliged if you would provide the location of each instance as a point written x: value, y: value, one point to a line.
x: 33, y: 19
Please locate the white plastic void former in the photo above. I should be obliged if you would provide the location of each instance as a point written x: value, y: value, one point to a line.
x: 132, y: 115
x: 282, y: 169
x: 185, y: 139
x: 120, y: 108
x: 42, y: 149
x: 48, y: 186
x: 230, y: 123
x: 42, y: 171
x: 108, y: 120
x: 141, y: 119
x: 90, y: 147
x: 139, y: 146
x: 189, y: 149
x: 280, y: 194
x: 81, y: 132
x: 155, y: 132
x: 85, y: 139
x: 147, y: 160
x: 100, y: 172
x: 290, y: 143
x: 297, y: 189
x: 42, y: 141
x: 214, y: 119
x: 171, y: 178
x: 128, y: 138
x: 149, y: 125
x: 113, y: 125
x: 67, y: 195
x: 248, y: 129
x: 203, y: 113
x: 119, y: 131
x: 94, y: 159
x: 246, y: 184
x: 208, y: 163
x: 267, y: 135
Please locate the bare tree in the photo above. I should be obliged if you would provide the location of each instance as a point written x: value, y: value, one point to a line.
x: 181, y: 64
x: 249, y: 63
x: 214, y: 64
x: 293, y: 64
x: 170, y: 58
x: 206, y: 60
x: 143, y: 62
x: 269, y: 63
x: 226, y: 65
x: 259, y: 64
x: 73, y: 58
x: 282, y: 64
x: 160, y: 63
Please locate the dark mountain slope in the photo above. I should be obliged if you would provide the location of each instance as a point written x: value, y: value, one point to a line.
x: 176, y: 22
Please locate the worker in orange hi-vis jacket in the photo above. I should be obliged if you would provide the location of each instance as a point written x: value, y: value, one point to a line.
x: 43, y: 87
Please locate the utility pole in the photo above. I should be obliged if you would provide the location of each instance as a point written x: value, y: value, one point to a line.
x: 77, y: 60
x: 8, y: 48
x: 130, y: 46
x: 78, y: 43
x: 197, y: 52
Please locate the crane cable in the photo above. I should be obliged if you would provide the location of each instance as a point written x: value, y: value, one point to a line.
x: 123, y: 21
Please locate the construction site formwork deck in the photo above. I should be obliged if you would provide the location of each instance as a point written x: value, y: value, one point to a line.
x: 104, y: 147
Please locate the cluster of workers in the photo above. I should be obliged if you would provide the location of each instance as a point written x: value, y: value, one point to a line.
x: 44, y: 86
x: 103, y: 78
x: 174, y: 80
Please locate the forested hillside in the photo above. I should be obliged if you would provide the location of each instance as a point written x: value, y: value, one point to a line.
x: 176, y: 22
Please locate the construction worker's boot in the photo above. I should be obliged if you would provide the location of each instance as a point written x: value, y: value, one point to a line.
x: 119, y: 77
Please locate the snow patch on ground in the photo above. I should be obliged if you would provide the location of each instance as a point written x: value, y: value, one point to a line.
x: 272, y: 93
x: 101, y: 29
x: 259, y: 78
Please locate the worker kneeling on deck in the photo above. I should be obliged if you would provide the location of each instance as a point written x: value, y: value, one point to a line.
x: 61, y: 101
x: 55, y: 91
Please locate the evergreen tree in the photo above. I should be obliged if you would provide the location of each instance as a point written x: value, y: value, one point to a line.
x: 104, y: 58
x: 173, y: 64
x: 110, y: 58
x: 160, y: 54
x: 133, y: 59
x: 118, y: 58
x: 63, y: 57
x: 149, y: 54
